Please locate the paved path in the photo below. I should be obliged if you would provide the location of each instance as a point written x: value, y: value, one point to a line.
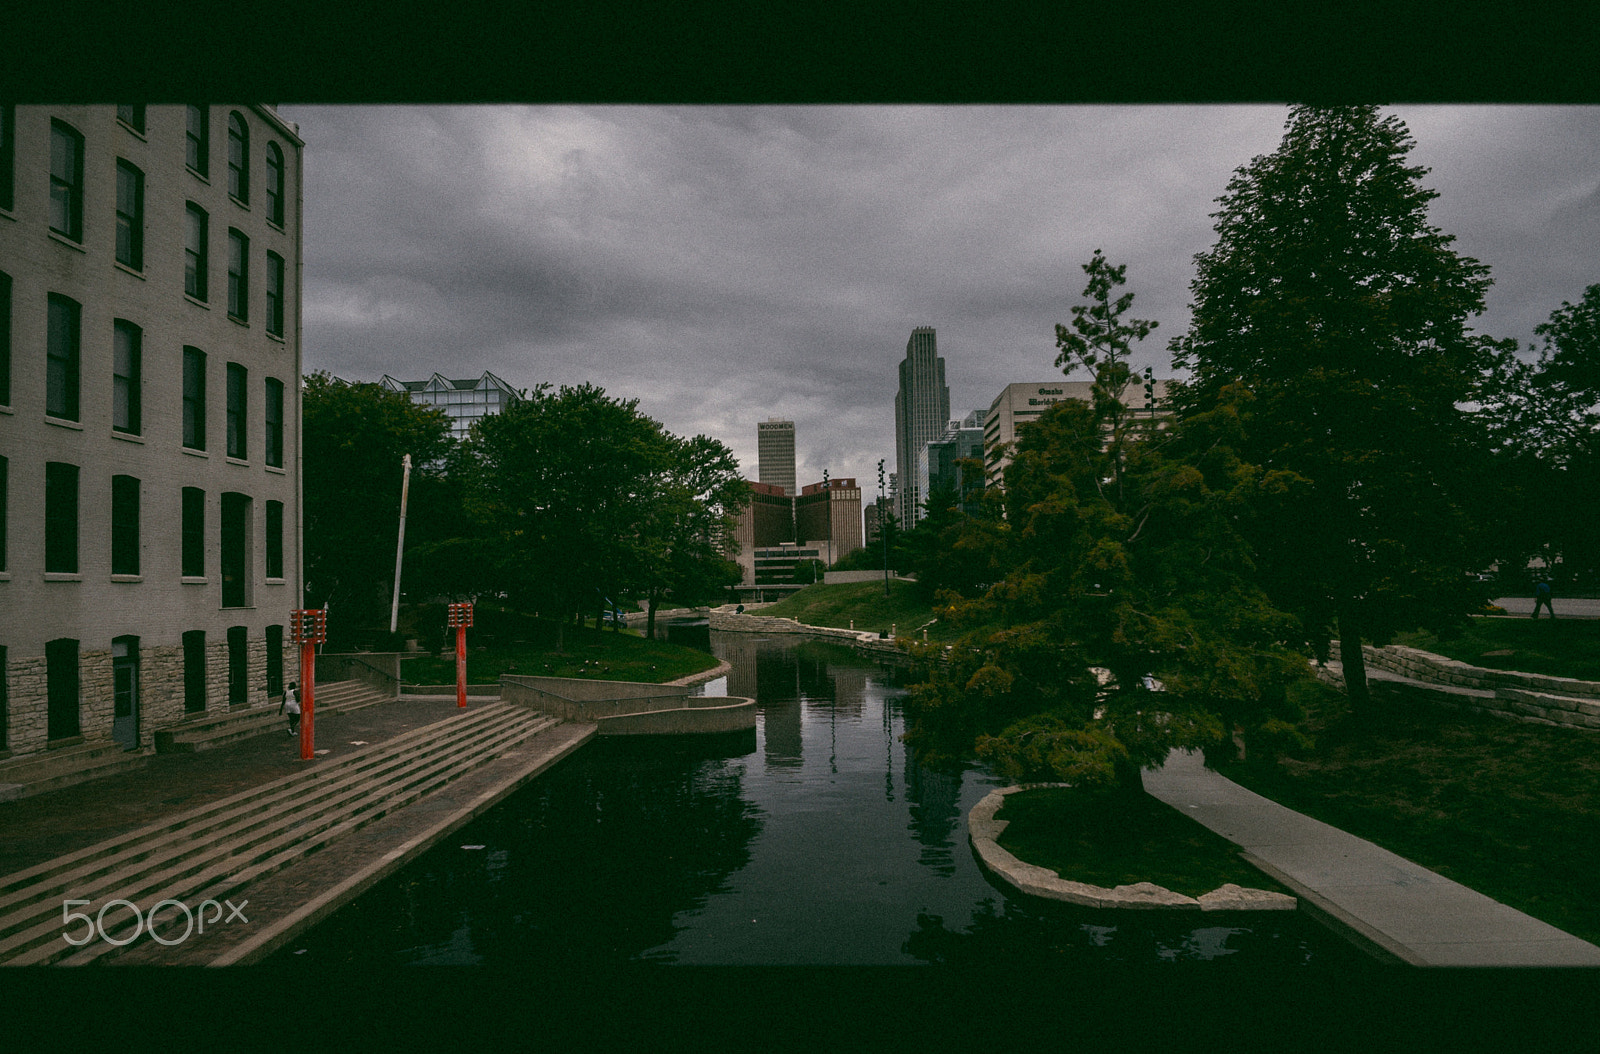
x: 1402, y: 911
x: 1565, y: 607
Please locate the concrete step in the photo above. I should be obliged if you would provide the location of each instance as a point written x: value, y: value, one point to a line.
x: 263, y: 828
x: 205, y: 731
x: 230, y: 867
x: 63, y: 767
x: 266, y: 856
x: 305, y: 787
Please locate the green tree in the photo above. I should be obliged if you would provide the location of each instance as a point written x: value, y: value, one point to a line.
x: 354, y: 438
x: 562, y: 481
x: 1125, y: 623
x: 688, y: 535
x: 1330, y: 298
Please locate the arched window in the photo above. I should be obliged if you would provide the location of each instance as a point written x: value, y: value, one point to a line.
x: 238, y: 157
x: 275, y: 183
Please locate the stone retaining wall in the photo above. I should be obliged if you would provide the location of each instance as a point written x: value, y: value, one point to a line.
x: 629, y: 708
x: 1529, y: 697
x: 732, y: 622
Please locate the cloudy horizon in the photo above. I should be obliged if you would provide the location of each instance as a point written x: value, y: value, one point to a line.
x: 726, y: 265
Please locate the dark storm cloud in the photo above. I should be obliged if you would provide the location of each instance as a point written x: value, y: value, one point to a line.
x: 724, y: 265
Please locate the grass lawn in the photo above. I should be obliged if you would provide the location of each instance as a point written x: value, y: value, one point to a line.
x: 603, y: 655
x: 836, y: 605
x: 1510, y: 810
x: 1109, y: 839
x: 1558, y: 648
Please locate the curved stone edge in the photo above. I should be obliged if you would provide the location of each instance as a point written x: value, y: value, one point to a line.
x: 984, y: 831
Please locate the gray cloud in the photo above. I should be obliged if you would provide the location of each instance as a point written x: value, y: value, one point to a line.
x: 727, y: 264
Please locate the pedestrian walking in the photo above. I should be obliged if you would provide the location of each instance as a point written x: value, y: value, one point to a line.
x: 291, y: 706
x: 1541, y: 596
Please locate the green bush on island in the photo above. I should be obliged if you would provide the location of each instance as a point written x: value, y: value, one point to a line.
x: 864, y: 605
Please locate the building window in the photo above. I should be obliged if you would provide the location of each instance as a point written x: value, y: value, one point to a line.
x: 5, y: 339
x: 61, y: 679
x: 199, y: 140
x: 8, y: 151
x: 194, y: 671
x: 132, y: 116
x: 5, y: 511
x: 66, y: 181
x: 194, y: 532
x: 274, y: 415
x: 274, y: 183
x: 130, y: 215
x: 274, y: 661
x: 61, y: 349
x: 238, y: 157
x: 194, y: 253
x: 238, y: 274
x: 237, y: 376
x: 126, y: 339
x: 238, y: 665
x: 60, y: 517
x: 236, y: 550
x: 274, y: 294
x: 124, y: 525
x: 274, y: 539
x: 194, y: 398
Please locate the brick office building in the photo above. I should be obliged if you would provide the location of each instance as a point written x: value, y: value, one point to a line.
x: 149, y: 417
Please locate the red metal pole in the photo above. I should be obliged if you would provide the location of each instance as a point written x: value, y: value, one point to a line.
x: 461, y: 665
x: 308, y: 677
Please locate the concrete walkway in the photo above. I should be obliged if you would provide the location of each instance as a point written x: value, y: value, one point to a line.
x: 1399, y: 910
x: 1565, y: 607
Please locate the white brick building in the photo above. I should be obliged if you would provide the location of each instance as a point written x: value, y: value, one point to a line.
x: 149, y: 416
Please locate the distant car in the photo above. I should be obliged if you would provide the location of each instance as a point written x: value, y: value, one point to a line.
x: 614, y: 618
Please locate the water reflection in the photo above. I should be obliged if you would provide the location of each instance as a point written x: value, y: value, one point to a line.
x: 816, y: 838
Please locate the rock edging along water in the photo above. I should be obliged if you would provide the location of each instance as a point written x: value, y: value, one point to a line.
x: 735, y: 622
x: 985, y: 831
x: 1532, y: 698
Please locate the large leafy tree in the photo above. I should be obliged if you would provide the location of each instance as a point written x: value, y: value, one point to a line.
x: 687, y: 535
x: 1126, y: 622
x: 561, y: 481
x: 1342, y: 311
x: 355, y: 436
x: 1542, y: 417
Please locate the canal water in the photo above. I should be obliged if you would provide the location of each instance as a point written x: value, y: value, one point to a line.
x: 816, y: 838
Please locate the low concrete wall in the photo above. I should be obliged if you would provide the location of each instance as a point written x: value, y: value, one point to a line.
x: 627, y: 708
x: 449, y: 689
x: 1530, y: 697
x: 833, y: 578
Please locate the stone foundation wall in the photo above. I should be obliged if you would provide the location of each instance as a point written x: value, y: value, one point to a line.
x: 1529, y: 697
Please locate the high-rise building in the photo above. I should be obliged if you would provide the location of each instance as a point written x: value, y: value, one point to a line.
x: 1019, y: 404
x: 921, y: 413
x: 465, y: 401
x: 775, y: 454
x: 939, y: 464
x: 150, y: 370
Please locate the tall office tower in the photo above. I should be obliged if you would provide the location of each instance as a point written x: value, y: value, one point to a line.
x: 775, y: 454
x: 150, y: 372
x: 921, y: 413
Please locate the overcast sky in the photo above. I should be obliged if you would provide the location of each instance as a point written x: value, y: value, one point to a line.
x: 727, y: 265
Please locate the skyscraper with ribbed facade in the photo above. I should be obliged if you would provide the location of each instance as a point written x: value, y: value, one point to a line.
x: 921, y: 413
x: 775, y: 454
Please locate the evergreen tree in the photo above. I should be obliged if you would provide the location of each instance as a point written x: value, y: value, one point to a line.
x: 1332, y: 301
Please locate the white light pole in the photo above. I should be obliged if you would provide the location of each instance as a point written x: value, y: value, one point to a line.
x: 400, y: 546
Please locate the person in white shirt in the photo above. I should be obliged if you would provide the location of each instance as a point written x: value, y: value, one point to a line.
x: 291, y: 706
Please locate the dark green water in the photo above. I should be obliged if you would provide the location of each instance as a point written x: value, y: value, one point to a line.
x: 815, y: 839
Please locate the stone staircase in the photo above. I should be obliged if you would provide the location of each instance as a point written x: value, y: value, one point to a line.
x: 206, y: 730
x: 211, y: 852
x: 37, y: 773
x: 54, y: 769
